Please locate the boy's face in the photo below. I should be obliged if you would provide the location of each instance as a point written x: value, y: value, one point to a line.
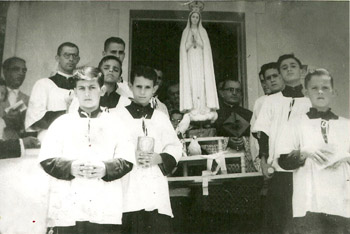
x: 88, y: 93
x: 111, y: 70
x: 3, y: 92
x: 290, y: 71
x: 143, y: 90
x: 320, y: 92
x: 174, y: 95
x: 116, y: 49
x: 273, y: 80
x: 175, y: 119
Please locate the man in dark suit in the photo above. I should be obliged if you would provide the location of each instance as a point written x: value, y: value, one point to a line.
x: 230, y: 92
x: 14, y: 70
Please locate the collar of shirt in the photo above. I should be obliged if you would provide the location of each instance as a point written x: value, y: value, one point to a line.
x: 64, y: 74
x: 138, y: 111
x: 231, y: 105
x: 62, y: 81
x: 326, y: 115
x: 92, y: 115
x: 111, y: 100
x: 293, y: 92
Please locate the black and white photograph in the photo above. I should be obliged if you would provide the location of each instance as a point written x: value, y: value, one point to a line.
x: 174, y: 117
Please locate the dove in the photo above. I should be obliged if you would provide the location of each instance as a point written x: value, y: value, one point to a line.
x: 194, y: 148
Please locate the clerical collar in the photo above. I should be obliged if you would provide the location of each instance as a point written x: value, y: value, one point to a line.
x: 92, y: 115
x: 138, y: 111
x: 65, y: 75
x: 326, y: 115
x: 62, y: 81
x: 231, y: 105
x: 293, y: 92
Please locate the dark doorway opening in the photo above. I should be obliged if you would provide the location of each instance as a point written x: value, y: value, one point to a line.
x: 156, y: 35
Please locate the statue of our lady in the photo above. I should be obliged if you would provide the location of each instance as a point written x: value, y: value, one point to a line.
x: 198, y: 95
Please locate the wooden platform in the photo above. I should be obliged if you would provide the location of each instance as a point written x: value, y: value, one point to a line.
x: 207, y: 175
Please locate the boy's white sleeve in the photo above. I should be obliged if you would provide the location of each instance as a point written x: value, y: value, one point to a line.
x: 124, y: 149
x: 264, y: 118
x: 37, y: 106
x: 52, y: 144
x: 170, y: 141
x: 289, y: 138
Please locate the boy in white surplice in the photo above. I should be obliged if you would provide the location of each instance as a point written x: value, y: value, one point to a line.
x: 317, y: 147
x: 86, y: 153
x: 146, y: 201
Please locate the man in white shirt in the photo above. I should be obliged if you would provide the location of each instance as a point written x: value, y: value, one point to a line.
x: 272, y: 81
x: 51, y: 96
x: 14, y: 70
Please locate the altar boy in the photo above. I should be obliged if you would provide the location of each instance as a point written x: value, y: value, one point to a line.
x: 278, y: 109
x: 86, y: 153
x: 146, y: 198
x: 317, y: 146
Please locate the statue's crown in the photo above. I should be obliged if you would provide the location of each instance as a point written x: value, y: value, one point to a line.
x: 196, y: 6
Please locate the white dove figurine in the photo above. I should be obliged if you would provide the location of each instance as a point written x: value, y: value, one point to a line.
x: 194, y: 148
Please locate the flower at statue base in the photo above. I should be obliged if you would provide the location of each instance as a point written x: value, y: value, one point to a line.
x: 196, y: 115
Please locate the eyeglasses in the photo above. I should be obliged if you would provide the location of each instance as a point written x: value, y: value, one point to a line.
x: 17, y: 69
x: 237, y: 90
x: 67, y: 56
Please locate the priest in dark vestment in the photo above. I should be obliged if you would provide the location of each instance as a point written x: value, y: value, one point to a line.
x: 51, y: 96
x: 233, y: 120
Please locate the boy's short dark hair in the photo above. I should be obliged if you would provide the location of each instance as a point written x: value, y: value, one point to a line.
x: 110, y: 57
x: 173, y: 112
x: 288, y: 56
x: 68, y: 44
x: 146, y: 72
x: 268, y: 66
x: 89, y: 73
x: 317, y: 72
x: 7, y: 63
x: 113, y: 40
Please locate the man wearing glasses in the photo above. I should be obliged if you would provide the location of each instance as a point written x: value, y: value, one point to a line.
x: 230, y: 92
x: 51, y: 96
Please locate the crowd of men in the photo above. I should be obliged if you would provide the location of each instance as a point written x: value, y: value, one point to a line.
x: 76, y: 115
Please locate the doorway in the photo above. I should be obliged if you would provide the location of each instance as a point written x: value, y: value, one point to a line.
x: 156, y: 35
